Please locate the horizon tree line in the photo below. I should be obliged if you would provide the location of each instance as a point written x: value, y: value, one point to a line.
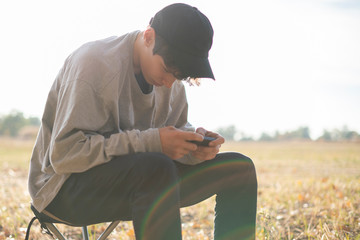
x: 12, y: 123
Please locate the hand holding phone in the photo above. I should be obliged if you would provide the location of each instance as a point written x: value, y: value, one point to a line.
x: 204, y: 142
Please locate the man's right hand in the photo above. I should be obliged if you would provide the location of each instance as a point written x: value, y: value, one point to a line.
x: 175, y: 142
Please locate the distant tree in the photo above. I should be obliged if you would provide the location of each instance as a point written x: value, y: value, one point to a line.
x: 337, y: 135
x: 326, y: 136
x: 302, y: 133
x: 227, y: 132
x: 352, y: 136
x: 11, y: 123
x: 245, y: 138
x: 347, y: 135
x: 266, y: 137
x: 33, y: 121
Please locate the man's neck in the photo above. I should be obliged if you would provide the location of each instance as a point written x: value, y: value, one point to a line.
x: 145, y: 87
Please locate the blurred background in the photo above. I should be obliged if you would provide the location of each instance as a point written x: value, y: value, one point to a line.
x: 282, y: 67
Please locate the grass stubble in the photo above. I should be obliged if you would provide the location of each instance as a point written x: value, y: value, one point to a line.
x: 307, y: 190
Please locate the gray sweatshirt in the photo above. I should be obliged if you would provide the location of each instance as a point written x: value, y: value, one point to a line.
x: 95, y: 111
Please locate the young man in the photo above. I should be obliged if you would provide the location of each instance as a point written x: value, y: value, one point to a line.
x: 115, y: 143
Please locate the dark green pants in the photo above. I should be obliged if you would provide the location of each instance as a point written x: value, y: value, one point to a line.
x: 150, y: 188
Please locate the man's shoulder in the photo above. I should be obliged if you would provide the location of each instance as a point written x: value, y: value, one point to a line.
x: 107, y: 50
x: 99, y: 62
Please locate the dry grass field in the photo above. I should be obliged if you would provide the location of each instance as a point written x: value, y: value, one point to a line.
x: 307, y: 190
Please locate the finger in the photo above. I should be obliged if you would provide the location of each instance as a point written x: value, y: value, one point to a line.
x: 218, y: 141
x: 191, y: 136
x: 202, y: 131
x: 213, y: 135
x: 190, y: 147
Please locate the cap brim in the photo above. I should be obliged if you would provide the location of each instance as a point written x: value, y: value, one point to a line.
x: 195, y: 67
x: 200, y: 68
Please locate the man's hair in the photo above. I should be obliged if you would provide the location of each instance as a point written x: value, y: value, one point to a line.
x: 163, y: 49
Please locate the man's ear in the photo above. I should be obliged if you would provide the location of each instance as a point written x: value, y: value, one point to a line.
x: 149, y: 36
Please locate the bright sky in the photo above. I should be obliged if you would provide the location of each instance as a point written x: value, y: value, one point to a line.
x: 279, y: 64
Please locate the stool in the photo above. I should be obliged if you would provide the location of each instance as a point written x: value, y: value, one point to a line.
x: 47, y: 221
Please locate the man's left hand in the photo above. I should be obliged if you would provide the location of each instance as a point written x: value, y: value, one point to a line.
x: 207, y: 153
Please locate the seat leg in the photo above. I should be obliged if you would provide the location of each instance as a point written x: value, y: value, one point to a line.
x: 108, y: 230
x: 55, y: 231
x: 85, y: 233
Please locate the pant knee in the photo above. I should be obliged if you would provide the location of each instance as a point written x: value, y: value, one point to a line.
x: 161, y: 164
x: 158, y: 169
x: 239, y: 158
x: 157, y: 183
x: 242, y: 164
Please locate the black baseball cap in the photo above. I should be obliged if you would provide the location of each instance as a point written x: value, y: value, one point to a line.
x: 190, y: 34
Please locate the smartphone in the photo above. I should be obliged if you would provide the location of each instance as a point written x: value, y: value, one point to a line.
x: 204, y: 142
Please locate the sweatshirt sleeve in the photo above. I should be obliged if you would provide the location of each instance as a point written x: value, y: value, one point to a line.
x: 76, y: 145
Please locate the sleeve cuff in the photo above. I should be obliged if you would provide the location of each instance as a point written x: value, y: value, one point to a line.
x: 151, y: 140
